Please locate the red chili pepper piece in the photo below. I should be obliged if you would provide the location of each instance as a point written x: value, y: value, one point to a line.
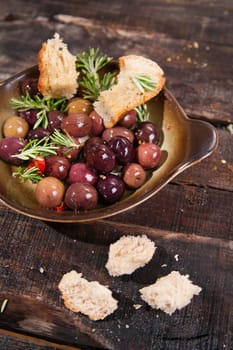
x: 60, y: 207
x: 39, y: 163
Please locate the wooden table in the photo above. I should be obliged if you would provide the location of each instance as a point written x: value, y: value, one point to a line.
x: 190, y: 220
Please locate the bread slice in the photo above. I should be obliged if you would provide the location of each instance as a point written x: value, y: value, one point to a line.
x: 170, y: 292
x: 89, y: 298
x: 57, y: 66
x: 125, y: 95
x: 128, y: 254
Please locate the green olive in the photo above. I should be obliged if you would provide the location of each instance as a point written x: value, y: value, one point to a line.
x: 79, y: 105
x: 15, y: 126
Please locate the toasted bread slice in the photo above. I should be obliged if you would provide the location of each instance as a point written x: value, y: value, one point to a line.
x: 58, y: 75
x: 125, y: 95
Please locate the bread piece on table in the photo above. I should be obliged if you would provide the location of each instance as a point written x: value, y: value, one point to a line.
x: 125, y: 95
x: 89, y: 298
x: 57, y: 66
x: 170, y: 292
x: 128, y: 254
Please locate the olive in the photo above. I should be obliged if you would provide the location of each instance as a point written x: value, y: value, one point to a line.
x: 97, y: 124
x: 38, y: 133
x: 30, y: 116
x: 55, y: 118
x: 108, y: 134
x: 149, y: 155
x: 29, y: 85
x: 15, y: 126
x: 110, y: 188
x: 10, y: 147
x: 128, y: 120
x: 79, y: 105
x: 134, y: 175
x: 79, y: 172
x: 81, y: 196
x: 57, y: 166
x: 77, y: 125
x: 49, y: 192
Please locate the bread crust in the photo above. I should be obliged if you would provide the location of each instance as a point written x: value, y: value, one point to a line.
x: 57, y: 66
x: 43, y: 77
x: 124, y: 96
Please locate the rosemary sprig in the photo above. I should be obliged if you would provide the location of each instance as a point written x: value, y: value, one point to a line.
x: 90, y: 63
x: 143, y: 82
x: 142, y: 113
x: 42, y: 104
x: 3, y: 306
x: 61, y: 139
x: 28, y: 174
x: 35, y: 147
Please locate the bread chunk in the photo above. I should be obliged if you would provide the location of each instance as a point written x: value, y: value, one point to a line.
x: 170, y: 293
x: 89, y: 298
x: 57, y: 66
x: 128, y: 254
x: 125, y: 95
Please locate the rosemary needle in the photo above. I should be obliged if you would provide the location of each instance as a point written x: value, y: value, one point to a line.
x: 3, y: 306
x: 143, y: 82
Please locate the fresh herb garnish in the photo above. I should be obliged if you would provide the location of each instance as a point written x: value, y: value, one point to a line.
x: 61, y: 139
x: 26, y: 173
x: 90, y: 63
x: 142, y: 113
x: 42, y: 104
x: 143, y: 82
x: 35, y: 147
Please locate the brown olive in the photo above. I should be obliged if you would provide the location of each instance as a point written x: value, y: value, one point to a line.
x: 79, y: 105
x: 77, y: 124
x: 15, y: 126
x: 49, y: 192
x: 108, y: 134
x: 134, y: 175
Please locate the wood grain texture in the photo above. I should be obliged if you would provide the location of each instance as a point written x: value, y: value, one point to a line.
x: 39, y: 308
x: 191, y: 218
x: 198, y: 67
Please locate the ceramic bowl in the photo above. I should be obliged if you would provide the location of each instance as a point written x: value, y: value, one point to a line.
x: 185, y: 142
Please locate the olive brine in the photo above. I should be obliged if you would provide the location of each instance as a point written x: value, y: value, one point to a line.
x: 76, y: 163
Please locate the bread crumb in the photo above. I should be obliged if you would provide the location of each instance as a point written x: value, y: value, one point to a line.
x: 223, y: 161
x: 137, y: 306
x: 128, y: 254
x: 196, y: 45
x: 230, y: 128
x: 90, y: 298
x: 176, y: 257
x: 170, y: 293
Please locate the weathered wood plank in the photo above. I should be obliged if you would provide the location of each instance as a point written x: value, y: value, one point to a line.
x: 198, y: 69
x: 215, y: 171
x: 184, y: 213
x: 12, y: 340
x: 56, y: 250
